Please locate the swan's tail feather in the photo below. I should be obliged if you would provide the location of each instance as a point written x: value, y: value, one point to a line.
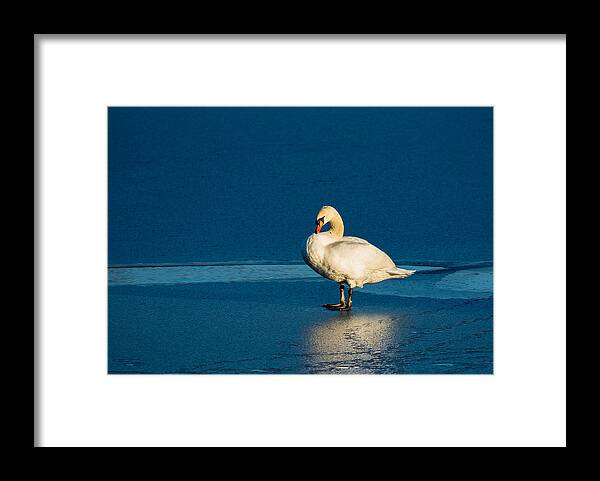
x: 401, y: 273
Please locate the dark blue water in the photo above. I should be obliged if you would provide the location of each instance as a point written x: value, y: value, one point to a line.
x: 237, y: 184
x: 208, y: 211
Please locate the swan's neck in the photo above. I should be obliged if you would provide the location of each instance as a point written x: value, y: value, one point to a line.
x: 336, y: 226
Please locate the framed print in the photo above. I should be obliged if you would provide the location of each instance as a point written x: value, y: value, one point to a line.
x: 300, y: 241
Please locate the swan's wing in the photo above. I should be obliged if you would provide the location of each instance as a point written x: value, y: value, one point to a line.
x: 357, y: 258
x: 355, y: 239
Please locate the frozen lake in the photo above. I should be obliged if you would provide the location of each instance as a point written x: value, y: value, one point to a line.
x: 267, y: 319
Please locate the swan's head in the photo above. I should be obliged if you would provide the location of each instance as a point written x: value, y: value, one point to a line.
x: 325, y: 215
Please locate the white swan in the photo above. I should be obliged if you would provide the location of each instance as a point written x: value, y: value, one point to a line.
x: 346, y: 260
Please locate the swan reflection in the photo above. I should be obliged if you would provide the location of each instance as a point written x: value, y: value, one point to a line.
x: 358, y: 342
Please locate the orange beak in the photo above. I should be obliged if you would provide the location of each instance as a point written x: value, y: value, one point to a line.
x: 318, y: 226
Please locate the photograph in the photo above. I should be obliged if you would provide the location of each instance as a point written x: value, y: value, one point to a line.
x: 300, y: 240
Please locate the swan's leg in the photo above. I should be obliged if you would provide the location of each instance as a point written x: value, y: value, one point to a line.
x: 342, y: 302
x: 348, y: 305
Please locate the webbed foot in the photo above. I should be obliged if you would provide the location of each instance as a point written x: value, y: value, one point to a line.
x: 334, y: 307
